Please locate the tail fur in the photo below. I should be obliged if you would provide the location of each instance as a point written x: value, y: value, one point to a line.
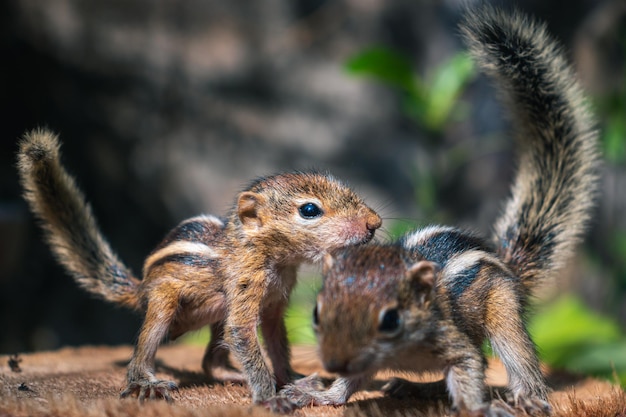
x: 556, y: 183
x: 70, y: 227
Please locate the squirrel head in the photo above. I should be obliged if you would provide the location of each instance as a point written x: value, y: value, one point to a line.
x: 301, y: 216
x: 374, y: 299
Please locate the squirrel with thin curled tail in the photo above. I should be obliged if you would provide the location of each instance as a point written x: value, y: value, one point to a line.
x: 430, y: 300
x: 234, y: 275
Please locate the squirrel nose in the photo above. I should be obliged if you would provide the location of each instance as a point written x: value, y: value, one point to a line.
x: 373, y: 222
x: 336, y: 366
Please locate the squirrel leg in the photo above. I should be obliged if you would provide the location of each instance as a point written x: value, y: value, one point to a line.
x: 241, y: 334
x: 216, y: 356
x: 140, y: 376
x: 465, y: 371
x: 511, y: 342
x: 275, y: 335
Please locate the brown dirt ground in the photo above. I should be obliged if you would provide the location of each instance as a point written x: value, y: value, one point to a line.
x: 86, y: 381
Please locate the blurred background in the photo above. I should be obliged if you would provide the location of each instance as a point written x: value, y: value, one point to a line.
x: 166, y: 109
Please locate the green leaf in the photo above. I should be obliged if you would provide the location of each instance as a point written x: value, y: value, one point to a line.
x: 384, y: 65
x: 566, y: 329
x: 601, y: 360
x: 298, y: 319
x: 614, y: 139
x: 448, y: 82
x: 199, y: 337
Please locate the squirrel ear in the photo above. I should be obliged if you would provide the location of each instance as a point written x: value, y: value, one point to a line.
x: 327, y: 263
x: 421, y: 278
x: 248, y: 205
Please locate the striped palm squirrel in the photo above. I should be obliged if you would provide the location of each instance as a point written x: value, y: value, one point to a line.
x: 429, y: 300
x: 233, y: 274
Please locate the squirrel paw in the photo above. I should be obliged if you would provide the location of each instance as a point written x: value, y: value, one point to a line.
x: 501, y: 408
x: 309, y: 391
x: 279, y: 404
x: 150, y: 390
x: 494, y: 409
x: 533, y: 406
x: 498, y: 409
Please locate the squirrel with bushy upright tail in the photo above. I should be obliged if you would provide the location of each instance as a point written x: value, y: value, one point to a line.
x: 429, y: 300
x: 233, y: 274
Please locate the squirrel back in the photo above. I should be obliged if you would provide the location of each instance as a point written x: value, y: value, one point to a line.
x: 67, y: 219
x: 553, y: 192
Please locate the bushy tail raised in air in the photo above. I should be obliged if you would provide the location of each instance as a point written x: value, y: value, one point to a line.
x: 67, y: 219
x: 557, y: 175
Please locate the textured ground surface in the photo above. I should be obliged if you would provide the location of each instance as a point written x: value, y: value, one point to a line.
x: 86, y: 382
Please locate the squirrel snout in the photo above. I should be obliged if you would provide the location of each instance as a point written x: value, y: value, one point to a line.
x: 373, y: 222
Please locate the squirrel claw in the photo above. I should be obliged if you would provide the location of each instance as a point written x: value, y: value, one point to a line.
x: 494, y: 409
x: 530, y: 406
x: 150, y: 390
x: 308, y: 393
x: 533, y: 406
x: 279, y: 404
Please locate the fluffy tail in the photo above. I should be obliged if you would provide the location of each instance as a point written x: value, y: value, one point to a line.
x: 556, y: 182
x: 70, y: 227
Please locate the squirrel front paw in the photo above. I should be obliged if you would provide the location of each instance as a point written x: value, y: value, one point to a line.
x: 150, y: 390
x: 533, y: 406
x: 279, y: 404
x: 309, y: 391
x: 302, y: 396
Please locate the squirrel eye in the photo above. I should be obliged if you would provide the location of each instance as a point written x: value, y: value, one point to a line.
x: 316, y: 317
x: 310, y: 211
x: 389, y: 322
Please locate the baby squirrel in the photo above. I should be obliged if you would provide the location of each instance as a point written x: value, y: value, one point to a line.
x: 233, y: 274
x: 429, y: 300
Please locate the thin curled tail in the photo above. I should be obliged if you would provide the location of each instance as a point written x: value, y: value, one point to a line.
x: 556, y: 183
x: 70, y: 227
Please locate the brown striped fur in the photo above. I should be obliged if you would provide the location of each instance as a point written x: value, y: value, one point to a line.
x: 430, y: 300
x: 233, y: 275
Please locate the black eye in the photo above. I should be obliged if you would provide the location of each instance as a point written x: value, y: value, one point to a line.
x: 310, y: 211
x: 316, y: 317
x: 389, y: 321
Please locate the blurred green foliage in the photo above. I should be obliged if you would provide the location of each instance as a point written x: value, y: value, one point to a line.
x: 612, y: 108
x: 571, y: 336
x: 432, y: 100
x: 612, y: 112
